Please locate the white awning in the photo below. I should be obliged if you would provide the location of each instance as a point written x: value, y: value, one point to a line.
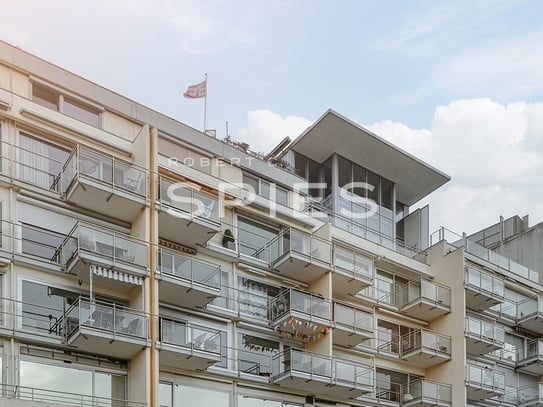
x: 116, y: 275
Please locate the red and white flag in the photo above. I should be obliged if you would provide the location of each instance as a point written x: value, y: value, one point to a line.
x: 196, y: 91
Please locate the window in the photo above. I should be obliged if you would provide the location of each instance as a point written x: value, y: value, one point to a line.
x: 255, y: 354
x: 40, y: 162
x: 266, y: 189
x: 254, y: 297
x: 41, y: 243
x: 52, y: 379
x: 178, y: 395
x: 248, y: 401
x: 55, y: 100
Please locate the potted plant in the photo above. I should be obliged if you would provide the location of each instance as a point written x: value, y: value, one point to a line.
x: 228, y: 240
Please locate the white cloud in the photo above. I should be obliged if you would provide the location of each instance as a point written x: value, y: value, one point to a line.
x: 265, y: 129
x: 491, y: 152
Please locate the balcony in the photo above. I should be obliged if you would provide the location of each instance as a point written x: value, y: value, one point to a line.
x: 104, y: 328
x: 484, y: 382
x: 386, y: 394
x: 482, y: 289
x: 530, y: 314
x: 352, y: 271
x: 186, y: 216
x: 56, y: 398
x: 302, y: 256
x: 427, y: 393
x: 300, y: 315
x: 104, y: 184
x: 425, y: 299
x: 321, y: 375
x: 188, y: 346
x: 351, y: 325
x: 483, y: 336
x: 530, y: 358
x: 185, y: 281
x: 530, y: 395
x: 424, y: 348
x: 114, y: 256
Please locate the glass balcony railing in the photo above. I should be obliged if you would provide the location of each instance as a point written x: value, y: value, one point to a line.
x: 305, y: 304
x: 484, y: 283
x: 55, y: 397
x: 530, y: 395
x: 426, y: 341
x: 106, y: 317
x: 304, y: 245
x: 352, y: 263
x: 426, y: 392
x: 188, y: 202
x: 337, y: 371
x: 484, y: 330
x: 108, y: 244
x: 190, y: 336
x: 427, y: 291
x: 104, y: 169
x: 485, y: 378
x: 530, y: 308
x: 352, y: 318
x: 482, y: 252
x: 185, y: 268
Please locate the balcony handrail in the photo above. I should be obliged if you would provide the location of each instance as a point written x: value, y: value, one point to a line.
x: 210, y: 343
x: 423, y: 281
x: 312, y: 252
x: 483, y: 253
x: 399, y: 246
x: 495, y: 327
x: 124, y: 255
x: 231, y: 295
x: 497, y: 283
x: 208, y: 280
x: 209, y: 212
x: 439, y: 395
x: 278, y: 307
x: 495, y: 375
x: 109, y: 320
x: 417, y: 339
x: 60, y: 397
x: 356, y: 323
x: 95, y: 156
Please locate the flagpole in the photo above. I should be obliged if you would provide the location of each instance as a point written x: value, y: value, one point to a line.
x: 205, y: 105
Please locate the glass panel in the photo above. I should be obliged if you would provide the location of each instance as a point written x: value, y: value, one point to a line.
x: 255, y: 238
x: 199, y: 397
x: 165, y: 395
x: 246, y: 401
x: 79, y: 111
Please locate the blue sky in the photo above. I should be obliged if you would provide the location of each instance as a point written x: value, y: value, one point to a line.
x: 458, y: 84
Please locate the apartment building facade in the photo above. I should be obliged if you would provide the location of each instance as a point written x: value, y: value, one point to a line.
x: 145, y: 263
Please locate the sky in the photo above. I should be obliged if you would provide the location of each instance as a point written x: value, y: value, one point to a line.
x: 458, y: 84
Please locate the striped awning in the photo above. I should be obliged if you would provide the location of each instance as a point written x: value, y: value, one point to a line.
x: 116, y: 275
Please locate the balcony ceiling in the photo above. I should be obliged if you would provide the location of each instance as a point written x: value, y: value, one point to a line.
x: 333, y: 133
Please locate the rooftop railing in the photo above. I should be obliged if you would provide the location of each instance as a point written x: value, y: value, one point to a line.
x: 483, y: 253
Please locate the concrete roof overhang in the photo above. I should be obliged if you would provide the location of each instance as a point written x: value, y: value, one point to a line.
x: 333, y: 133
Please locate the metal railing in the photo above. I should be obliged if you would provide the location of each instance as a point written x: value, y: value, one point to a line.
x: 353, y: 318
x: 482, y: 329
x: 62, y: 398
x: 105, y: 169
x: 484, y: 377
x: 336, y: 370
x: 425, y: 290
x: 189, y: 201
x: 385, y: 392
x: 529, y: 308
x: 190, y: 336
x: 533, y: 350
x: 429, y: 391
x: 531, y: 395
x: 115, y: 246
x: 429, y: 341
x: 485, y: 283
x: 305, y: 245
x: 352, y: 263
x: 186, y: 268
x: 108, y: 317
x: 307, y: 304
x: 456, y: 240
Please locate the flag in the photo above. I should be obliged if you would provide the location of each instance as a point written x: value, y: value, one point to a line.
x: 196, y: 91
